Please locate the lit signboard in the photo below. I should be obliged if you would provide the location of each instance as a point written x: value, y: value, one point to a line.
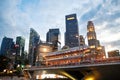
x: 70, y: 18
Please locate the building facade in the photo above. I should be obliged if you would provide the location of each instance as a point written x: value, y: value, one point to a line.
x: 33, y: 43
x: 19, y: 49
x: 7, y: 46
x: 20, y: 41
x: 113, y: 53
x: 91, y: 35
x: 42, y: 50
x: 53, y: 37
x: 96, y: 49
x: 71, y: 31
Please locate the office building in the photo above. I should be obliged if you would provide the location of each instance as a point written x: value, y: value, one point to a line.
x: 20, y: 41
x: 53, y: 37
x: 71, y: 31
x: 7, y: 46
x: 91, y: 35
x: 97, y: 51
x: 33, y: 43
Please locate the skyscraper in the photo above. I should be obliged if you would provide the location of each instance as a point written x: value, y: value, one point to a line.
x: 7, y: 46
x: 71, y: 31
x: 20, y: 41
x: 53, y: 37
x: 97, y: 50
x: 91, y: 35
x: 33, y: 42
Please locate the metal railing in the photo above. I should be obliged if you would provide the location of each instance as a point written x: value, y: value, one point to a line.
x: 113, y: 60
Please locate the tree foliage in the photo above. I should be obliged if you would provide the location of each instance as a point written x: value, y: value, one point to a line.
x: 4, y: 63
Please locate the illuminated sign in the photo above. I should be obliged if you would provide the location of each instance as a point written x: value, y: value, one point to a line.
x: 70, y: 18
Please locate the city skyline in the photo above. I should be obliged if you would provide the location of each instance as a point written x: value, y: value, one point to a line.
x: 18, y: 16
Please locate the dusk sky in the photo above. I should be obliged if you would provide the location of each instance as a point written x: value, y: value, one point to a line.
x: 18, y: 16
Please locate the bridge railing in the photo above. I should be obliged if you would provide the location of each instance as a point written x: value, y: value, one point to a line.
x: 85, y: 62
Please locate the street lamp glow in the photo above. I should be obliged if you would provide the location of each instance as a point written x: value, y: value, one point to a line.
x: 4, y: 70
x: 89, y: 78
x: 11, y: 71
x: 104, y: 57
x: 44, y: 49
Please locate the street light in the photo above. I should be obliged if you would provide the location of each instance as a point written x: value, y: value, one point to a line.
x: 89, y: 78
x: 45, y: 49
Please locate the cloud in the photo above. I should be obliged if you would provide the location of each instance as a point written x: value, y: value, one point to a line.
x: 10, y: 20
x: 114, y: 45
x: 18, y: 16
x: 90, y: 14
x: 107, y: 24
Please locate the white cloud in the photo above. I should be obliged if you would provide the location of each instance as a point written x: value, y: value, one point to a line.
x: 117, y: 20
x: 19, y: 15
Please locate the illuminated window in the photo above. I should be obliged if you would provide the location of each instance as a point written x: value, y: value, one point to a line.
x: 70, y: 18
x: 90, y: 37
x: 99, y: 48
x: 93, y: 46
x: 91, y: 29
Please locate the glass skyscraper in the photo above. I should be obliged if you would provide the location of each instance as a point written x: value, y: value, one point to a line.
x: 33, y: 43
x: 72, y: 31
x: 7, y: 46
x: 53, y: 37
x: 20, y: 41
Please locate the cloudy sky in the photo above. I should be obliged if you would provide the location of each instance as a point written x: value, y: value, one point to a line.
x: 18, y: 16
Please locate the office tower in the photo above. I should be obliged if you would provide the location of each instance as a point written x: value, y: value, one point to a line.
x: 91, y: 35
x: 71, y: 31
x: 7, y: 46
x: 33, y: 43
x: 20, y: 41
x: 53, y: 37
x: 97, y: 50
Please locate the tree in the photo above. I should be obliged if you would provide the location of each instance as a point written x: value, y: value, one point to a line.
x: 4, y: 63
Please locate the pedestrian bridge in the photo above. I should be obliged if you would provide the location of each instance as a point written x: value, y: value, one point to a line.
x: 85, y: 64
x: 101, y: 69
